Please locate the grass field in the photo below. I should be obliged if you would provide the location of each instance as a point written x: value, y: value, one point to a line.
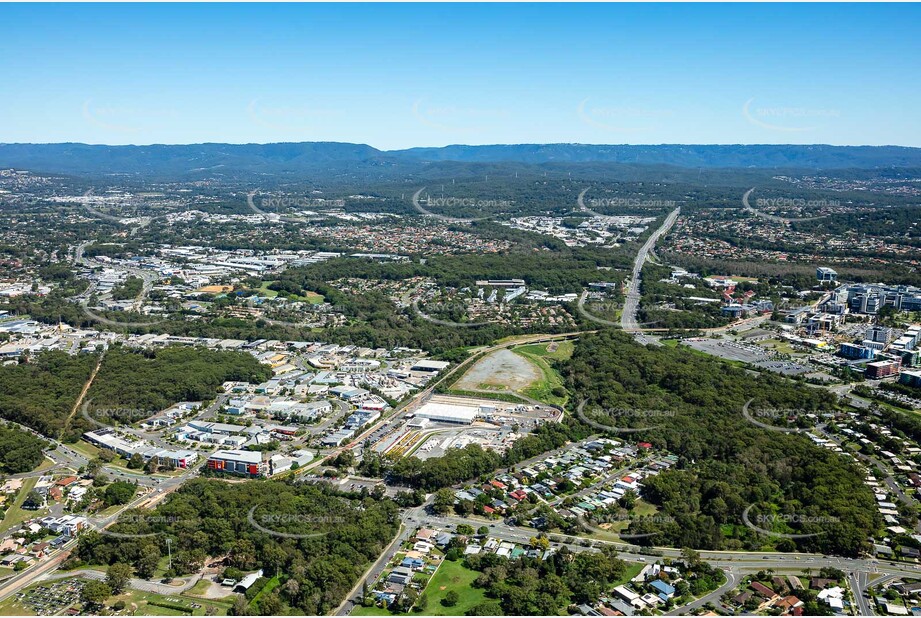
x: 199, y: 588
x: 640, y: 509
x: 562, y: 350
x: 633, y: 569
x: 449, y: 576
x: 85, y: 448
x: 542, y: 389
x: 452, y: 576
x: 309, y: 297
x: 46, y: 463
x: 16, y: 514
x: 778, y: 346
x: 146, y: 604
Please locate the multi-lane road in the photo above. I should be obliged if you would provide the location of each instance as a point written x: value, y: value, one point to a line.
x: 632, y: 302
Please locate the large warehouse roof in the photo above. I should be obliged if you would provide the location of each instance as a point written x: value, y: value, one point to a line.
x: 447, y: 412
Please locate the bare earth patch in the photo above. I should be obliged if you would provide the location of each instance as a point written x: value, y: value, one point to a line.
x: 502, y: 368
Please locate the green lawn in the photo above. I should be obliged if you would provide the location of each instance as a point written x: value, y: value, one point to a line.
x: 449, y: 576
x: 85, y: 448
x: 542, y: 390
x: 270, y: 585
x: 310, y: 297
x: 633, y: 569
x: 199, y: 588
x: 452, y: 576
x: 46, y: 463
x: 779, y: 346
x: 143, y: 602
x: 15, y: 514
x: 562, y: 352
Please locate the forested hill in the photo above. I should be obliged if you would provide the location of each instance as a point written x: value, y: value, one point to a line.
x: 680, y: 155
x: 334, y: 158
x: 726, y: 463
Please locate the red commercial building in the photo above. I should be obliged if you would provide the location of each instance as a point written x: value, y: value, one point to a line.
x: 883, y: 369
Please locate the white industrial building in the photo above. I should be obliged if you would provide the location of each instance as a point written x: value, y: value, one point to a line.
x: 448, y: 413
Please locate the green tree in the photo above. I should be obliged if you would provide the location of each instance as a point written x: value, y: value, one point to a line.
x: 451, y: 599
x: 95, y: 593
x: 117, y: 577
x: 444, y: 501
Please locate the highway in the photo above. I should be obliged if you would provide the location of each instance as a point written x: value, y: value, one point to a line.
x: 632, y: 302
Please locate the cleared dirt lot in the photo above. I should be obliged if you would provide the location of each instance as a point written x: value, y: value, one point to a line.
x: 502, y: 368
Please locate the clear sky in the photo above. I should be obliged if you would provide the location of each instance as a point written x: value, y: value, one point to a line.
x: 396, y: 76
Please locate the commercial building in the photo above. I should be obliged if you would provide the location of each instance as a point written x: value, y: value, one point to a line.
x: 823, y: 273
x: 911, y: 378
x: 879, y: 334
x: 448, y: 413
x: 501, y: 283
x: 109, y: 439
x: 870, y: 298
x: 856, y: 352
x: 237, y: 462
x: 883, y: 369
x: 430, y: 366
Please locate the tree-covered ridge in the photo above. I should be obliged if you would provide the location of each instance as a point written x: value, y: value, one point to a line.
x: 726, y: 463
x: 151, y: 380
x: 42, y: 392
x: 209, y: 518
x: 20, y: 451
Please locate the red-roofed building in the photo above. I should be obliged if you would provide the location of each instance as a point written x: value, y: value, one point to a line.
x: 763, y: 590
x: 498, y: 484
x: 789, y: 602
x: 518, y: 495
x: 67, y: 480
x: 645, y: 445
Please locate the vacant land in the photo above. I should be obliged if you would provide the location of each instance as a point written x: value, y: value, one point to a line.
x: 308, y: 296
x: 549, y: 388
x: 778, y: 346
x: 557, y: 350
x: 16, y: 514
x: 449, y: 576
x: 452, y: 576
x: 502, y: 369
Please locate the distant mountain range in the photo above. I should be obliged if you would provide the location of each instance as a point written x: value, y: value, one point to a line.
x: 313, y: 157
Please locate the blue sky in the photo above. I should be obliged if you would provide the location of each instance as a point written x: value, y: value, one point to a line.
x: 396, y: 76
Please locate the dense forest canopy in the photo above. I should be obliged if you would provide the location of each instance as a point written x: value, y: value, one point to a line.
x: 42, y: 392
x: 726, y: 463
x: 332, y: 536
x: 153, y: 380
x: 20, y: 451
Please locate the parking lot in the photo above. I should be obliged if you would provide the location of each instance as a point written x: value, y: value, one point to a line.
x: 730, y: 350
x: 785, y: 367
